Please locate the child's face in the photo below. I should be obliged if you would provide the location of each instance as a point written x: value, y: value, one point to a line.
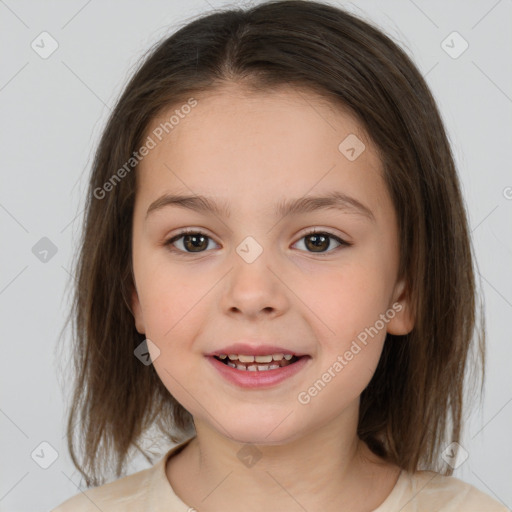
x: 307, y: 295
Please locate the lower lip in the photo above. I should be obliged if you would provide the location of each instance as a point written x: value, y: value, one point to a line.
x: 257, y: 379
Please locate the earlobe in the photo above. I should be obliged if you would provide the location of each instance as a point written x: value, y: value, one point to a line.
x: 137, y: 312
x: 403, y: 320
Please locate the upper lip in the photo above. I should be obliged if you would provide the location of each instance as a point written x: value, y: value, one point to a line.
x: 256, y: 349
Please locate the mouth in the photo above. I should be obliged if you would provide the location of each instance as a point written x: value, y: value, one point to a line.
x: 261, y: 363
x: 258, y: 371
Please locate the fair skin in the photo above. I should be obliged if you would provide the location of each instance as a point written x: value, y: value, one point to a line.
x: 253, y: 151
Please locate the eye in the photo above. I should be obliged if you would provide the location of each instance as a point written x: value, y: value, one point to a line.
x: 193, y: 242
x: 319, y: 241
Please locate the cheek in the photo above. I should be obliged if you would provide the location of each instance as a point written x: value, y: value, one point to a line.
x: 348, y: 299
x: 173, y: 313
x: 171, y: 296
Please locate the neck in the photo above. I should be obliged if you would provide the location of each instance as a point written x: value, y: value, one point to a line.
x: 326, y: 469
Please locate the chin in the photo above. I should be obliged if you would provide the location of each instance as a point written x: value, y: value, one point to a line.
x: 261, y: 433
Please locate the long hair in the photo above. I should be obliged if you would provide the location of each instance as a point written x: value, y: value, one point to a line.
x: 413, y: 406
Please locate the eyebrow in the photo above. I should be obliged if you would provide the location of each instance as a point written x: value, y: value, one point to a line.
x: 307, y: 204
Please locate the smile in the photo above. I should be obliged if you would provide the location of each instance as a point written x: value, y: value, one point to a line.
x: 257, y: 363
x: 258, y: 371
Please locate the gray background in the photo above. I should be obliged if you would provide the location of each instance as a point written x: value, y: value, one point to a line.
x: 52, y: 112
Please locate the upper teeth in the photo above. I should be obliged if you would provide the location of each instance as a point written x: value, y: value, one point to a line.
x: 258, y: 359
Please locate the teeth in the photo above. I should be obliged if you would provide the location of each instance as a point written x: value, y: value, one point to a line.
x: 263, y: 359
x: 263, y: 367
x: 243, y: 362
x: 258, y: 367
x: 259, y: 359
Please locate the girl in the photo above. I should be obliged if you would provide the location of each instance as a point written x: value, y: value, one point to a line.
x: 276, y: 273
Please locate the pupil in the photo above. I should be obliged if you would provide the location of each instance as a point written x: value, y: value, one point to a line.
x: 194, y: 240
x: 317, y: 240
x: 197, y: 243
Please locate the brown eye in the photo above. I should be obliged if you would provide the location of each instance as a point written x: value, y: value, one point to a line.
x: 317, y: 242
x: 320, y: 242
x: 192, y: 242
x: 196, y: 242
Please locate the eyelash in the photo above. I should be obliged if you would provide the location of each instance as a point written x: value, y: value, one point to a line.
x: 175, y: 238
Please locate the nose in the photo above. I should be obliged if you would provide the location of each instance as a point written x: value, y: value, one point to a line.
x: 254, y: 290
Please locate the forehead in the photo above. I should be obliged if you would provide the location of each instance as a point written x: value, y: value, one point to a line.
x: 233, y: 112
x: 238, y: 142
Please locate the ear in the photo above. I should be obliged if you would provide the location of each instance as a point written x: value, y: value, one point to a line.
x: 137, y: 312
x: 403, y: 321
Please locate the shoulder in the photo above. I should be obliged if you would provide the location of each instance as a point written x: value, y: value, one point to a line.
x: 148, y: 489
x: 125, y: 494
x: 428, y: 491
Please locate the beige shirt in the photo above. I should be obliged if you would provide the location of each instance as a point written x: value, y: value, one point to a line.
x: 150, y: 491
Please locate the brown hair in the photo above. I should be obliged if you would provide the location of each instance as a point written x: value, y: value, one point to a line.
x: 412, y: 408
